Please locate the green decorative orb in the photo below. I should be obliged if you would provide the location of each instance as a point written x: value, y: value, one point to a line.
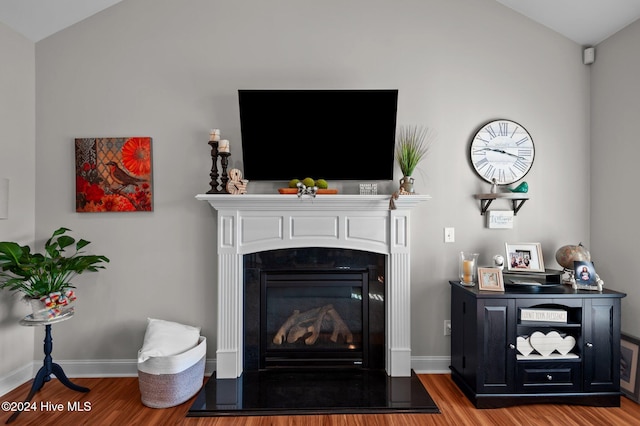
x: 308, y: 182
x: 293, y: 183
x: 322, y: 184
x: 566, y: 255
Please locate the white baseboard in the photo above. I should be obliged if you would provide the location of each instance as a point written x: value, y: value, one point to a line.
x: 112, y: 367
x: 82, y: 368
x: 17, y: 377
x: 129, y: 368
x: 431, y: 364
x: 99, y: 367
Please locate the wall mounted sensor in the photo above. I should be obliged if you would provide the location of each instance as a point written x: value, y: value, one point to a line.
x: 589, y: 55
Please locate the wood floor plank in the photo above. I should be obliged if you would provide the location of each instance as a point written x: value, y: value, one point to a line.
x: 116, y: 401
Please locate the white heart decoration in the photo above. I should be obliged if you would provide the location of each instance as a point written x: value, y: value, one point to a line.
x: 523, y: 345
x: 566, y: 345
x: 545, y: 344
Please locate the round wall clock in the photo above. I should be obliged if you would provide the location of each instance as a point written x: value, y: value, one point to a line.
x: 502, y: 150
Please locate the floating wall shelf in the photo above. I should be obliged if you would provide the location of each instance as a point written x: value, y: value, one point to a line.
x: 517, y: 200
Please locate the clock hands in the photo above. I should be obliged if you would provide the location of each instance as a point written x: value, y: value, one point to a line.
x: 502, y: 151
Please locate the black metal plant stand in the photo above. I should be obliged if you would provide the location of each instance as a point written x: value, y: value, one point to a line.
x: 48, y: 368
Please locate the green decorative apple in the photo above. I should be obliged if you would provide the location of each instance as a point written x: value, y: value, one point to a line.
x: 322, y: 184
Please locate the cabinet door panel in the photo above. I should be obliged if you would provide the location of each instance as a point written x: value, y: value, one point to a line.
x: 496, y: 320
x: 458, y: 305
x: 601, y: 352
x: 464, y: 360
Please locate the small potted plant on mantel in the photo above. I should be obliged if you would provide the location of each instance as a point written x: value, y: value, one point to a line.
x: 412, y: 145
x: 45, y: 278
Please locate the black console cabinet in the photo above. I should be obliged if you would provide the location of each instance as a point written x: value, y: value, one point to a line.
x: 488, y: 367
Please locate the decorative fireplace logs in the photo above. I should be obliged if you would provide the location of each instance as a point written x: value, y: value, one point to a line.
x: 300, y: 324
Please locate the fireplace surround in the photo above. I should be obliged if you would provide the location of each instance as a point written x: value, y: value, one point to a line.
x: 252, y: 223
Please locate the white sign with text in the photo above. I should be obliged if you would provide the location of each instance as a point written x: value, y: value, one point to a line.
x: 500, y: 219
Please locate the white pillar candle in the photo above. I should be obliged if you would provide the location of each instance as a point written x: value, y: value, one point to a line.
x: 214, y: 135
x: 223, y: 146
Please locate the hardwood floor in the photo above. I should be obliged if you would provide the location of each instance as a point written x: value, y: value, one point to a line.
x: 116, y: 401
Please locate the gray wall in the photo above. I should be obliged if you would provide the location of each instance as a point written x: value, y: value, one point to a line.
x: 171, y: 69
x: 614, y: 167
x: 17, y: 162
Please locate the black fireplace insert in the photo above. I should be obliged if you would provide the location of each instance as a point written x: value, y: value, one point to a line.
x: 323, y: 308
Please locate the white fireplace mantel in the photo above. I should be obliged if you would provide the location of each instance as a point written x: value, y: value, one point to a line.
x: 252, y: 223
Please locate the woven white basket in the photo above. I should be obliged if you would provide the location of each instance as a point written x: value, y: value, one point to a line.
x: 171, y: 380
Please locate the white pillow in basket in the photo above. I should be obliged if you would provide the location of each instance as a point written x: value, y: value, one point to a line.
x: 167, y: 338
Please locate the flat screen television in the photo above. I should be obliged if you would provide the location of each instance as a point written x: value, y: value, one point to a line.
x: 328, y: 134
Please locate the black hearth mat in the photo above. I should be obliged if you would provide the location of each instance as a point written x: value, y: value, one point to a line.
x: 286, y: 392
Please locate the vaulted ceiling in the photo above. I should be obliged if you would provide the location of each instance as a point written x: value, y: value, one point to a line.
x: 587, y: 22
x: 38, y: 19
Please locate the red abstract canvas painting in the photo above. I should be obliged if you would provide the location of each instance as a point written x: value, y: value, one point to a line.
x: 114, y: 174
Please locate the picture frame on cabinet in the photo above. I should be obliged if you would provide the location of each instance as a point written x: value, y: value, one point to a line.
x: 585, y: 273
x: 524, y: 257
x: 629, y: 369
x: 490, y: 279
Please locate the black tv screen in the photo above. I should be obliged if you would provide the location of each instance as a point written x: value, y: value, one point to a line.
x: 322, y: 134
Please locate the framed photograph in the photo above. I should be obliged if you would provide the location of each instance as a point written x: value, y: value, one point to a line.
x: 490, y: 279
x: 524, y: 257
x: 629, y: 377
x: 585, y: 273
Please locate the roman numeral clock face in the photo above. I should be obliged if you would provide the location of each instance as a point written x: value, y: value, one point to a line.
x: 502, y: 150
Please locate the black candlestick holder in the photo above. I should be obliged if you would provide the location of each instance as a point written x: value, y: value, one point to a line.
x: 219, y: 181
x: 224, y: 177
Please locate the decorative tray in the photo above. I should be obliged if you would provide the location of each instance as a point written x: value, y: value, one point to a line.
x: 30, y: 320
x: 295, y: 191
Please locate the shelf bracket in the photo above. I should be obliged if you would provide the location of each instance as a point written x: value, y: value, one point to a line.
x: 517, y: 204
x: 484, y: 205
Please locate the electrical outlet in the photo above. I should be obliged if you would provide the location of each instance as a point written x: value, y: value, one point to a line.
x: 449, y: 235
x: 447, y: 327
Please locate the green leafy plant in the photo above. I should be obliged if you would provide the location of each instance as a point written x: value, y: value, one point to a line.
x: 39, y: 274
x: 412, y: 146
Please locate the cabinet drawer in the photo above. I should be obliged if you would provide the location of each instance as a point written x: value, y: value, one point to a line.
x: 548, y: 377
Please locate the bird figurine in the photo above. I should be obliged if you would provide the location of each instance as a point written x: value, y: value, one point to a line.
x: 121, y: 177
x: 522, y: 188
